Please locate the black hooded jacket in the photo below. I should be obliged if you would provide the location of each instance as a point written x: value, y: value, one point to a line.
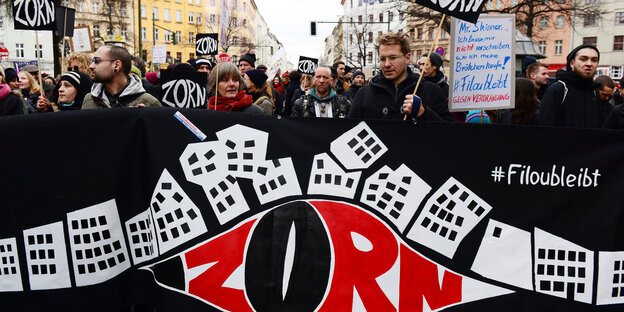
x: 440, y: 80
x: 581, y: 107
x: 382, y: 100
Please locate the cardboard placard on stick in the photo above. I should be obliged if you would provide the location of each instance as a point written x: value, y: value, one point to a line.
x: 184, y: 89
x: 307, y: 65
x: 456, y: 8
x: 81, y: 41
x: 207, y: 44
x: 34, y: 15
x: 65, y: 18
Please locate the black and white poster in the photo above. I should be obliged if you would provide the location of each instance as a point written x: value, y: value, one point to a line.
x: 307, y: 65
x: 69, y: 16
x: 183, y: 89
x: 207, y: 44
x: 262, y: 214
x: 34, y: 14
x: 465, y: 10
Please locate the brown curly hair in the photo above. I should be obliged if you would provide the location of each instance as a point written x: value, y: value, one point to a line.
x: 84, y: 60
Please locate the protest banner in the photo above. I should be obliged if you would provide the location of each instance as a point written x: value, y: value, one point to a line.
x: 65, y: 18
x: 465, y: 10
x: 259, y: 214
x: 81, y: 41
x: 276, y: 63
x: 183, y: 89
x: 159, y: 54
x: 307, y: 65
x: 206, y: 44
x: 20, y: 65
x: 34, y: 15
x: 482, y: 63
x: 225, y: 21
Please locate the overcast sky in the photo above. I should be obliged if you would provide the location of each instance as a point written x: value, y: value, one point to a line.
x: 290, y: 21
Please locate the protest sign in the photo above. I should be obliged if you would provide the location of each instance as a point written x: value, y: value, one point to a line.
x: 34, y: 15
x: 225, y: 20
x: 20, y: 65
x: 483, y: 63
x: 307, y: 65
x: 276, y: 63
x: 461, y: 9
x: 65, y: 18
x: 224, y: 57
x: 183, y: 89
x: 81, y: 41
x: 159, y: 54
x: 206, y: 44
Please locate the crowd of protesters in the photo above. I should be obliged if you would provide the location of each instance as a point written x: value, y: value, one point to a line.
x: 113, y: 78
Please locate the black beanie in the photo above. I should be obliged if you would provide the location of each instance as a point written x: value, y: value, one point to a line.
x: 249, y: 58
x: 359, y: 73
x: 184, y: 67
x: 436, y: 59
x: 257, y: 76
x: 10, y: 74
x: 572, y: 54
x: 81, y: 82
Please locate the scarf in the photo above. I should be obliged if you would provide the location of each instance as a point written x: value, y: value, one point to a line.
x: 236, y: 104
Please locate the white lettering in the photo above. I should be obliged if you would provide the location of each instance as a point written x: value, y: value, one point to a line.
x: 206, y: 45
x: 307, y: 66
x: 184, y: 93
x: 34, y: 13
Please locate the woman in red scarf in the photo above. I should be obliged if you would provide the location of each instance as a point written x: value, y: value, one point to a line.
x: 277, y: 84
x: 230, y: 93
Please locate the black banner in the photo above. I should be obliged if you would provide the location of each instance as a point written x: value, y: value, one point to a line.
x: 34, y: 14
x: 465, y: 10
x: 207, y: 44
x: 307, y: 65
x: 286, y: 214
x: 68, y: 30
x: 184, y: 89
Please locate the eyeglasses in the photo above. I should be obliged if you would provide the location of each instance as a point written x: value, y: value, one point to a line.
x: 97, y: 60
x: 391, y: 58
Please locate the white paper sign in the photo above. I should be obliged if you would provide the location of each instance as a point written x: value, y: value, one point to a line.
x: 81, y: 41
x: 159, y: 54
x: 276, y: 63
x: 483, y: 63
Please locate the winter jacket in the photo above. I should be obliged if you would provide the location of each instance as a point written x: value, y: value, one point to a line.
x: 31, y: 102
x: 305, y: 106
x: 290, y: 90
x: 353, y: 89
x: 263, y: 100
x: 581, y: 107
x: 615, y: 119
x: 131, y: 96
x: 382, y: 100
x: 10, y: 104
x: 440, y: 80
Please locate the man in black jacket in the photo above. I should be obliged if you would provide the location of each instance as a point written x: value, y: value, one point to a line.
x: 430, y: 69
x: 573, y: 101
x: 389, y: 95
x: 322, y: 101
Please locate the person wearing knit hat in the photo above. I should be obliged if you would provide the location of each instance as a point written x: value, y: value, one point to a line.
x: 10, y: 76
x: 357, y: 81
x: 262, y: 68
x: 203, y: 65
x: 574, y: 101
x: 135, y: 71
x: 247, y: 62
x: 73, y: 87
x: 478, y: 116
x: 430, y: 66
x: 260, y: 91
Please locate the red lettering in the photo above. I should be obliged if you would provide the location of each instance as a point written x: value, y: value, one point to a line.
x: 419, y: 279
x: 353, y: 267
x: 228, y: 251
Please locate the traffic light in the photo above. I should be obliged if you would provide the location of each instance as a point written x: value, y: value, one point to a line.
x: 313, y: 28
x: 173, y: 39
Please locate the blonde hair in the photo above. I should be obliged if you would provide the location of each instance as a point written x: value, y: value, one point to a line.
x: 225, y: 70
x: 34, y: 85
x: 84, y: 60
x: 2, y: 76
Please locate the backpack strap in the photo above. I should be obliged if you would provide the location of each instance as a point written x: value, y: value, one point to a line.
x: 565, y: 91
x: 260, y: 99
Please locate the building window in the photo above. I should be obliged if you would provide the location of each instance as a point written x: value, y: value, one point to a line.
x: 191, y: 37
x: 419, y: 33
x: 96, y: 30
x: 155, y: 13
x: 156, y: 34
x: 244, y: 6
x: 234, y: 22
x: 65, y: 3
x: 80, y: 6
x: 191, y: 17
x: 411, y: 34
x: 109, y: 9
x: 167, y: 16
x: 1, y: 22
x: 244, y: 22
x: 542, y: 47
x: 178, y: 36
x: 19, y: 50
x: 619, y: 18
x: 360, y: 19
x: 370, y: 36
x: 560, y: 21
x: 381, y: 17
x: 124, y: 11
x: 179, y: 57
x: 212, y: 2
x: 167, y: 36
x: 618, y: 42
x: 143, y: 33
x: 616, y: 72
x: 590, y: 40
x: 198, y: 18
x: 430, y: 33
x: 178, y: 16
x: 443, y: 34
x: 143, y: 10
x: 213, y: 19
x: 198, y: 2
x: 359, y: 36
x: 590, y: 20
x: 234, y: 5
x: 591, y: 1
x: 401, y: 16
x: 558, y: 47
x: 418, y: 53
x: 234, y: 40
x: 109, y: 31
x: 544, y: 22
x: 360, y: 55
x: 369, y: 56
x: 95, y: 7
x: 390, y: 16
x: 371, y: 18
x: 191, y: 56
x: 190, y: 1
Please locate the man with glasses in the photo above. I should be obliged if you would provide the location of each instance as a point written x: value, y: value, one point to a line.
x: 389, y: 96
x: 112, y: 84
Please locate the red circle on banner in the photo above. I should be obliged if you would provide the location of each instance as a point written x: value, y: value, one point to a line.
x: 224, y: 58
x: 440, y: 50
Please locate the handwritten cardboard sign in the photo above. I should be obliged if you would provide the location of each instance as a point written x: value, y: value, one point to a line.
x: 307, y: 65
x: 467, y: 10
x: 34, y: 15
x: 184, y: 89
x: 483, y: 63
x: 159, y: 54
x: 206, y: 44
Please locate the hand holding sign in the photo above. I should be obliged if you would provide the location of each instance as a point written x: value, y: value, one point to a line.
x: 34, y: 15
x: 307, y: 65
x: 206, y: 44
